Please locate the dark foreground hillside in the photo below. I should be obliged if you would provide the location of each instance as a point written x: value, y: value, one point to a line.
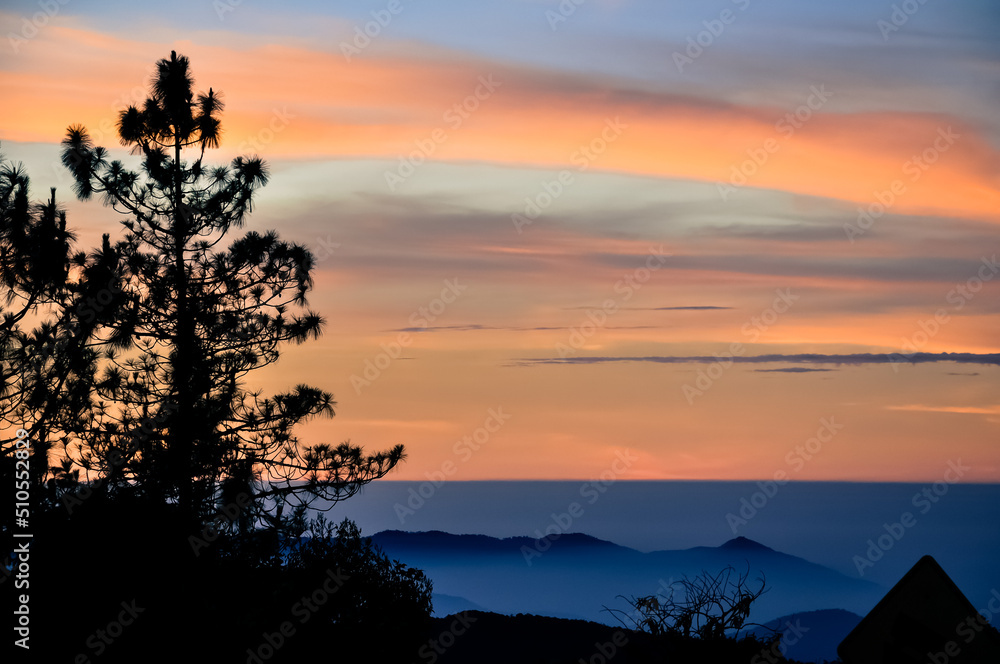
x: 475, y: 637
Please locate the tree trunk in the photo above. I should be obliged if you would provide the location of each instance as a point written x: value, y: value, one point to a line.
x: 182, y: 443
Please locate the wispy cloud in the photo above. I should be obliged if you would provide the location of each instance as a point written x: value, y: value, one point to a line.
x: 687, y: 308
x: 853, y: 359
x: 791, y: 370
x: 963, y: 410
x: 542, y: 328
x: 697, y: 308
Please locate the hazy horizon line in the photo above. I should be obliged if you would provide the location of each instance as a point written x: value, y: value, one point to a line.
x: 718, y: 481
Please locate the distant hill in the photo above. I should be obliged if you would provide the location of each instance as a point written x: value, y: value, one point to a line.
x: 822, y: 632
x: 445, y: 605
x: 742, y: 544
x: 576, y: 576
x: 444, y: 543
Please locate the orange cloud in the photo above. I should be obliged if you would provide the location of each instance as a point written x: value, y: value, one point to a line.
x: 287, y: 101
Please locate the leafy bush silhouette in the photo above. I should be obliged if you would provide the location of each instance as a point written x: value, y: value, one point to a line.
x: 379, y: 597
x: 344, y: 598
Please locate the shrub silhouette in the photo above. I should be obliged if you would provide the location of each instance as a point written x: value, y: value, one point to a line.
x: 700, y: 617
x: 709, y: 606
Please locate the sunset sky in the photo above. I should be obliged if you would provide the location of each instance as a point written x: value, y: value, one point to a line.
x: 543, y: 230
